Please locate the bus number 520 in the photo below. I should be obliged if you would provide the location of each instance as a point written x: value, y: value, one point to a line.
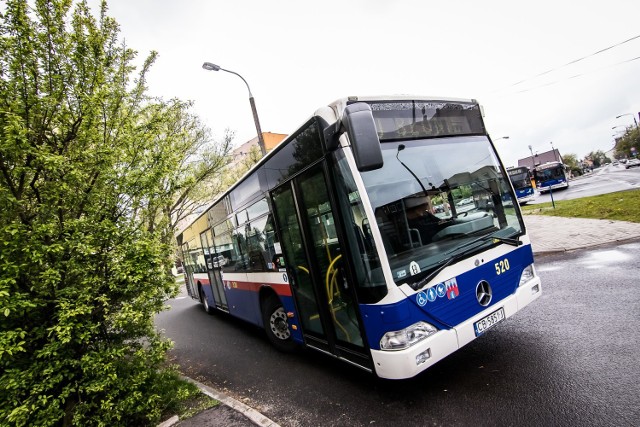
x: 502, y: 266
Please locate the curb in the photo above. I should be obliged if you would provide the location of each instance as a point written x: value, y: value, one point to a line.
x: 595, y: 245
x: 254, y: 416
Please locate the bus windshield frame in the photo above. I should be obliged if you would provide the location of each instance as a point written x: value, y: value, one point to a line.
x: 434, y: 196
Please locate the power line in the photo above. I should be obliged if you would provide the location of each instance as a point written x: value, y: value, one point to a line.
x: 577, y: 75
x: 576, y: 60
x: 568, y: 64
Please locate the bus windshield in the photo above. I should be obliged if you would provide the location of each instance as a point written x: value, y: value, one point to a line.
x: 552, y: 172
x: 437, y: 197
x: 520, y: 178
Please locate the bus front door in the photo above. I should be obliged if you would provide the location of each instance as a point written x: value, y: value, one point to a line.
x: 313, y: 250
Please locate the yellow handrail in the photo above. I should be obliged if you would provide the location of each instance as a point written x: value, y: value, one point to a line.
x: 330, y: 279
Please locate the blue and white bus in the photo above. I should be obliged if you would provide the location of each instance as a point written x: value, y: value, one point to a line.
x: 550, y: 176
x: 521, y: 181
x: 383, y: 232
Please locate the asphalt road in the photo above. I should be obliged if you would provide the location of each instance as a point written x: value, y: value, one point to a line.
x: 607, y: 179
x: 570, y: 358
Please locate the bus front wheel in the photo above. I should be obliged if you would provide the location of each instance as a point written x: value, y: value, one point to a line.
x: 276, y: 325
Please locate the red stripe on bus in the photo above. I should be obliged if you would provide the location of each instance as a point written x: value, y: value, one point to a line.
x: 282, y: 289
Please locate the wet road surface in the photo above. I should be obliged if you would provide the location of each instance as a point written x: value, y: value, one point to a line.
x: 570, y: 358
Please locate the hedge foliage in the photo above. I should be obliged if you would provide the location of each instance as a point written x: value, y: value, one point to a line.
x: 87, y: 170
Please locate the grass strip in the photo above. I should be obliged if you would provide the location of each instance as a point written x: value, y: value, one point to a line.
x: 620, y: 206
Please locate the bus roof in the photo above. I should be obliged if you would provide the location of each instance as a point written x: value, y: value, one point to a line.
x: 341, y: 103
x: 548, y: 165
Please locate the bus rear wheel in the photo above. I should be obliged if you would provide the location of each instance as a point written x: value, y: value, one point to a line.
x: 276, y: 325
x: 204, y: 301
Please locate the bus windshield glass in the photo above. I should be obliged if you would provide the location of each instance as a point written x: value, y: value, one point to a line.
x: 437, y: 199
x: 544, y: 173
x: 520, y: 178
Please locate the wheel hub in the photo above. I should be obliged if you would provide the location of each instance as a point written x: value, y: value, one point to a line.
x: 279, y: 325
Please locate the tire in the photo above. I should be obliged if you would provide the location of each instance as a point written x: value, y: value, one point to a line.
x: 203, y: 300
x: 276, y: 325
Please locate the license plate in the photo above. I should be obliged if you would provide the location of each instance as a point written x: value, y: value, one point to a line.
x: 482, y: 325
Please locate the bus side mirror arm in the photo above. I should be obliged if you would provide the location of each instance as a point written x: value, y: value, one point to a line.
x: 332, y: 135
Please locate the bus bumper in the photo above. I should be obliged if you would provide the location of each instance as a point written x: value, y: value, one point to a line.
x: 526, y: 199
x: 409, y: 362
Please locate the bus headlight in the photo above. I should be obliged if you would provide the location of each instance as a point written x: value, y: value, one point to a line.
x: 405, y: 338
x: 527, y: 274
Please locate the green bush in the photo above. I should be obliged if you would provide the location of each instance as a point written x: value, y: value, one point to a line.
x: 87, y: 164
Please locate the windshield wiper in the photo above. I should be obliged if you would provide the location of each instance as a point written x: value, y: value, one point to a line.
x: 435, y: 272
x: 507, y: 240
x: 458, y: 256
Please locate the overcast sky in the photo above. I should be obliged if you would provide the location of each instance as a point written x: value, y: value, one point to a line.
x: 298, y: 55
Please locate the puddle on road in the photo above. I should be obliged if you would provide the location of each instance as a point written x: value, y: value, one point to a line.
x: 604, y: 258
x: 549, y: 268
x: 595, y: 259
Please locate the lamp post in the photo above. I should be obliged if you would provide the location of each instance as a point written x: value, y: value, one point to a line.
x: 629, y: 114
x: 213, y: 67
x: 502, y: 137
x: 532, y: 163
x: 555, y: 156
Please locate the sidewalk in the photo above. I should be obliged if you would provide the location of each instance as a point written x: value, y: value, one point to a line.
x: 548, y: 235
x: 556, y: 234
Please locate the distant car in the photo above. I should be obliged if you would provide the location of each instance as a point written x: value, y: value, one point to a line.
x: 632, y: 163
x: 465, y: 201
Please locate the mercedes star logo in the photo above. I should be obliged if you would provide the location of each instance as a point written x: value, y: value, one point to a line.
x: 483, y: 293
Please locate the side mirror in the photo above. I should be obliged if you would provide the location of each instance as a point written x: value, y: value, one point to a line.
x: 358, y: 121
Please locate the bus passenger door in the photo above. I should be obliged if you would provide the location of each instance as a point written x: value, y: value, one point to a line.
x: 214, y: 265
x: 313, y: 250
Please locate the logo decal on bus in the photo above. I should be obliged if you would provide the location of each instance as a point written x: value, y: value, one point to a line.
x: 452, y: 288
x: 432, y: 294
x: 414, y: 268
x: 441, y: 290
x: 421, y: 299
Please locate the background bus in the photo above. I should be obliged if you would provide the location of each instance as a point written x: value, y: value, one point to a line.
x: 550, y: 175
x: 383, y: 232
x: 521, y: 180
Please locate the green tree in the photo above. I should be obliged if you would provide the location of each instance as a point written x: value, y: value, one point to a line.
x: 629, y: 144
x: 93, y: 174
x: 598, y: 158
x: 572, y: 162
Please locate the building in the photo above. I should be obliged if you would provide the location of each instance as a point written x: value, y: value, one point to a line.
x: 240, y: 153
x: 271, y: 140
x: 540, y: 158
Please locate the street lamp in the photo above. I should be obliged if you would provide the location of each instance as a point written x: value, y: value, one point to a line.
x: 629, y: 114
x: 533, y: 165
x: 213, y: 67
x: 502, y: 137
x: 555, y: 156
